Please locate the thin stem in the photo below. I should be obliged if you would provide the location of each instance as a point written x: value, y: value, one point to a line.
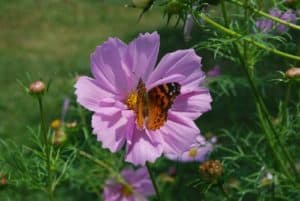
x: 225, y: 193
x: 104, y: 165
x: 153, y: 181
x: 262, y: 109
x: 237, y: 35
x: 286, y: 103
x: 224, y: 13
x: 46, y: 144
x: 97, y: 161
x: 276, y: 19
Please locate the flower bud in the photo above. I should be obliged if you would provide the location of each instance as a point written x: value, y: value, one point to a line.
x: 211, y: 169
x: 174, y: 7
x: 56, y: 124
x: 59, y: 137
x: 267, y: 180
x: 71, y: 124
x: 141, y: 3
x: 293, y: 73
x: 3, y: 180
x: 37, y: 87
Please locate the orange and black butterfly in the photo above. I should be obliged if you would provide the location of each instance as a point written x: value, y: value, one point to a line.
x: 153, y: 106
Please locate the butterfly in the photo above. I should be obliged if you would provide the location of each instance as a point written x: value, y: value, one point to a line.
x: 152, y: 106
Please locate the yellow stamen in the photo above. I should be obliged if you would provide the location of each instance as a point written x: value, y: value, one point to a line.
x: 126, y: 191
x: 193, y: 152
x: 131, y: 100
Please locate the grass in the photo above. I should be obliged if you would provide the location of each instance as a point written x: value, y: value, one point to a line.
x: 53, y: 40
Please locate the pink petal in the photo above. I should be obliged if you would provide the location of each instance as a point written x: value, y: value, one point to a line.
x: 112, y: 191
x: 112, y: 130
x: 192, y: 104
x: 142, y: 149
x: 142, y: 55
x: 184, y: 62
x: 139, y: 180
x: 107, y: 66
x: 178, y: 134
x: 89, y: 93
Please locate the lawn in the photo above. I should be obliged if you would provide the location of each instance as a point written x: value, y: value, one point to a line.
x: 54, y: 40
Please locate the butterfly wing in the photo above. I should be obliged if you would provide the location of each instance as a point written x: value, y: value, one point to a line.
x: 160, y: 99
x: 141, y: 104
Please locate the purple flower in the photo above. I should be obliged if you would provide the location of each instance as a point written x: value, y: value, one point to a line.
x: 197, y: 151
x: 288, y: 16
x: 119, y: 70
x: 65, y: 108
x: 267, y: 25
x: 275, y: 12
x: 138, y: 186
x: 264, y: 25
x: 214, y: 72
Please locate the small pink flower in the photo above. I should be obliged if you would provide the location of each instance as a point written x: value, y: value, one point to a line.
x: 118, y: 68
x: 197, y: 151
x: 138, y: 189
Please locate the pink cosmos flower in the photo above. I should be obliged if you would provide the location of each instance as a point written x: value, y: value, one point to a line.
x: 112, y: 95
x: 197, y: 151
x: 138, y: 189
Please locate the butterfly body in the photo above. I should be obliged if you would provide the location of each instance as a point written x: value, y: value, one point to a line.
x: 152, y: 106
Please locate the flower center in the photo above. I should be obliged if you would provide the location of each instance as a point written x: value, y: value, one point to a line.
x: 193, y: 152
x: 126, y: 191
x: 131, y: 100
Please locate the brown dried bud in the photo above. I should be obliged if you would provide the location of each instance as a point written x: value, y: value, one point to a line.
x: 3, y: 180
x: 293, y: 73
x: 37, y: 87
x: 211, y: 169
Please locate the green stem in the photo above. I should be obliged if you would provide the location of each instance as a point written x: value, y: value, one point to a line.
x: 286, y: 102
x: 263, y: 115
x: 47, y: 151
x: 225, y: 193
x: 153, y: 181
x: 226, y: 22
x: 276, y: 19
x: 104, y: 165
x: 237, y: 35
x: 262, y: 109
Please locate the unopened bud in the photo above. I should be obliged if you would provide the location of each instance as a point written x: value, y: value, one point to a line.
x: 267, y: 180
x: 293, y: 73
x: 211, y: 169
x: 56, y: 124
x: 3, y: 180
x: 59, y: 137
x: 37, y: 87
x: 72, y: 124
x: 174, y: 7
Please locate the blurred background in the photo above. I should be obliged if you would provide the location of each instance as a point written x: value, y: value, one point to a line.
x: 53, y: 39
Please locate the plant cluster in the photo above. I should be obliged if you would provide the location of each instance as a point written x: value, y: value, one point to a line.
x: 131, y: 131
